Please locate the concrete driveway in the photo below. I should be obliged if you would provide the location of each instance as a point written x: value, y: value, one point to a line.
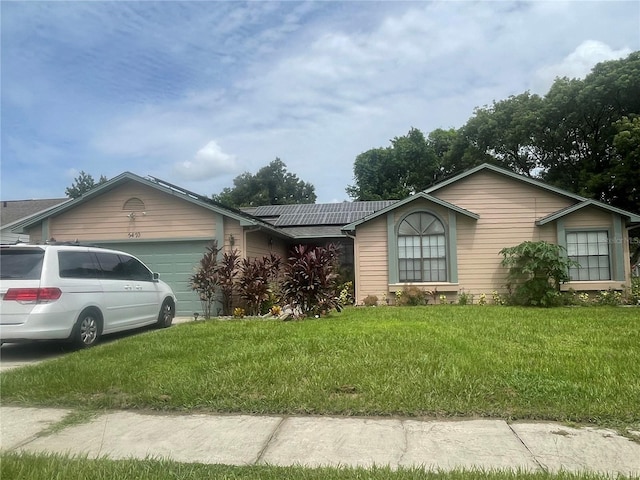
x: 14, y: 355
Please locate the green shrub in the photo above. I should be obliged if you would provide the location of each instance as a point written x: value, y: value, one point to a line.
x: 412, y: 296
x: 346, y: 294
x: 536, y: 271
x: 610, y: 297
x: 370, y: 301
x: 465, y: 298
x: 634, y: 294
x: 482, y: 299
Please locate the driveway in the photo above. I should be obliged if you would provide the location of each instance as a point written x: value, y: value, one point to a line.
x: 14, y: 355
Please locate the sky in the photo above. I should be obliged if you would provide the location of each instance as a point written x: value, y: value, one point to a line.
x: 198, y: 92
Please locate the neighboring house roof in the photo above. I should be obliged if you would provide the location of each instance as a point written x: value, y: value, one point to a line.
x: 352, y: 226
x: 14, y: 210
x: 166, y: 187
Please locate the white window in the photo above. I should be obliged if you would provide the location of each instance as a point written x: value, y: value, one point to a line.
x: 591, y: 251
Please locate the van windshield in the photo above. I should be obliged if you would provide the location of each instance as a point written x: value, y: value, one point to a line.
x: 21, y: 264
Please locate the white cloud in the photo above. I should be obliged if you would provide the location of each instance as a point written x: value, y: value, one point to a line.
x: 579, y: 62
x: 209, y: 162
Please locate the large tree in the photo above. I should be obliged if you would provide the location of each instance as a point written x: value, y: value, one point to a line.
x: 82, y: 184
x: 581, y: 120
x: 409, y: 165
x: 271, y: 185
x: 506, y: 133
x: 579, y: 137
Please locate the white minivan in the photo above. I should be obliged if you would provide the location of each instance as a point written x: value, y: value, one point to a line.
x: 77, y: 293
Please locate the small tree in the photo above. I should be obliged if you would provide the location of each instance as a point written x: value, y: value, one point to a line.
x: 226, y: 272
x: 206, y: 280
x: 536, y: 271
x: 82, y: 184
x: 310, y: 279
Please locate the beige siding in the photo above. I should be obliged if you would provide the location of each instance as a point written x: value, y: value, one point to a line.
x: 233, y: 230
x: 588, y: 218
x: 508, y: 211
x: 103, y: 218
x: 260, y: 244
x: 371, y: 259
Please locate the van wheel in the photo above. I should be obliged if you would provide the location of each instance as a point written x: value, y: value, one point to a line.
x: 87, y: 329
x: 167, y: 312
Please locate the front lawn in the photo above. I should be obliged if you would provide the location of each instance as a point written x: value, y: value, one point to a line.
x: 27, y: 467
x: 565, y: 364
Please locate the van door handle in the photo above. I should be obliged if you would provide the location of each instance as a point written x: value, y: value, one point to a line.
x: 138, y: 287
x: 128, y: 287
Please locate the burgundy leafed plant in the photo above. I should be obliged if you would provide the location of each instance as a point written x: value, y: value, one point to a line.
x: 310, y: 279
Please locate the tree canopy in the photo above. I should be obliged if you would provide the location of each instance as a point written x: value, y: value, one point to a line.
x: 271, y: 185
x: 582, y: 136
x: 82, y: 184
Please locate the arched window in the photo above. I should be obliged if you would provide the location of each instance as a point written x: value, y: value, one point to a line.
x: 134, y: 204
x: 422, y: 251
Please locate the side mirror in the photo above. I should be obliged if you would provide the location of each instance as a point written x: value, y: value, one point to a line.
x: 156, y: 276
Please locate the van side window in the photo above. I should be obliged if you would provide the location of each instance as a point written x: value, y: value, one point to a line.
x: 77, y: 265
x: 112, y: 267
x: 135, y: 270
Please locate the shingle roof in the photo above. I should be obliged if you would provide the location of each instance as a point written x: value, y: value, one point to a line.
x: 13, y: 210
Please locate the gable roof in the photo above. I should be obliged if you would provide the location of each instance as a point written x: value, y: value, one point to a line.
x: 352, y: 226
x: 633, y: 218
x: 166, y: 187
x: 506, y: 173
x: 581, y: 201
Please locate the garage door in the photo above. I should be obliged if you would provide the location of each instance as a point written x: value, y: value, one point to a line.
x: 175, y: 262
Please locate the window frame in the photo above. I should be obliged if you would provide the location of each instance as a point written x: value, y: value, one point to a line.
x: 610, y: 265
x: 446, y: 258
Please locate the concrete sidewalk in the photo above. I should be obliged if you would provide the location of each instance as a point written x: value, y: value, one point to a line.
x: 324, y: 441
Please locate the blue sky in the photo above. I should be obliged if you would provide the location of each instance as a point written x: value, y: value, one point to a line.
x: 198, y: 92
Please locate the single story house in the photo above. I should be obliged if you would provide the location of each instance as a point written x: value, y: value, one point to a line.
x: 446, y: 238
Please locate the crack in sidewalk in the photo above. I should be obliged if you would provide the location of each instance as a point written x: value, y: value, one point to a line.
x: 535, y: 459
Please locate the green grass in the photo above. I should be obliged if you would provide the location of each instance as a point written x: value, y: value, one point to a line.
x: 566, y: 364
x: 28, y: 467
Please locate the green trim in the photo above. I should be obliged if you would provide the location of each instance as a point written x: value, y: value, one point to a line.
x: 392, y: 249
x: 451, y: 239
x: 452, y: 246
x: 562, y: 235
x: 220, y: 234
x: 617, y: 249
x: 612, y: 252
x: 588, y: 203
x: 507, y: 173
x: 45, y: 230
x: 150, y: 240
x: 352, y: 226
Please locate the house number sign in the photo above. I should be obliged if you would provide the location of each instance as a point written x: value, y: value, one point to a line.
x: 134, y: 234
